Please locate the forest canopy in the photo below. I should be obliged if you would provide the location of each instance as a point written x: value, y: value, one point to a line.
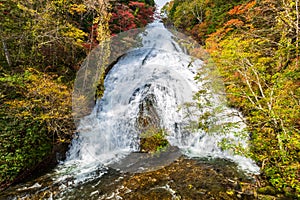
x: 255, y: 46
x: 43, y: 44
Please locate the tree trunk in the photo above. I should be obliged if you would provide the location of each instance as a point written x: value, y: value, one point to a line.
x: 7, y: 56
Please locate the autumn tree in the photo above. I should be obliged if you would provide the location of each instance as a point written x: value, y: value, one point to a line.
x: 51, y: 33
x: 41, y: 47
x: 255, y: 45
x: 129, y: 16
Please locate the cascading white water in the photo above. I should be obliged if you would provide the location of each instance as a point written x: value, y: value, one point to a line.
x: 162, y: 69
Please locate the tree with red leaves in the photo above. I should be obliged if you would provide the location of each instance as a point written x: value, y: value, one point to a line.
x: 122, y: 19
x: 125, y: 15
x: 134, y: 15
x: 143, y: 13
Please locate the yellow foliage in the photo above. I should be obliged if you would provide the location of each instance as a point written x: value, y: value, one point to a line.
x: 77, y: 8
x: 72, y: 32
x: 44, y: 100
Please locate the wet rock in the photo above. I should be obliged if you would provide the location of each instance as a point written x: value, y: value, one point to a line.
x: 186, y: 179
x: 153, y: 140
x: 158, y: 193
x: 148, y: 116
x: 183, y: 178
x: 152, y: 136
x: 145, y: 162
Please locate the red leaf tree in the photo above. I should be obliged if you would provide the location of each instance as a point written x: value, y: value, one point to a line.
x: 134, y: 15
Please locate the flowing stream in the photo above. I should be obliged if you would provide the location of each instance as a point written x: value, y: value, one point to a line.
x: 161, y: 70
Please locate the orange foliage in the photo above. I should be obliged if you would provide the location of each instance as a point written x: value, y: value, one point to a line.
x: 236, y: 10
x: 199, y: 31
x: 234, y: 22
x: 211, y: 45
x: 219, y: 34
x: 241, y: 9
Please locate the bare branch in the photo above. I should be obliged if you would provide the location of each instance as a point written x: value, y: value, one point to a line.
x: 7, y: 56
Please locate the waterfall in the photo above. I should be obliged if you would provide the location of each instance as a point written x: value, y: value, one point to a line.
x: 162, y: 68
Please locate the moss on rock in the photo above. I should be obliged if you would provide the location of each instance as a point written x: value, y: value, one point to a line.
x: 153, y: 140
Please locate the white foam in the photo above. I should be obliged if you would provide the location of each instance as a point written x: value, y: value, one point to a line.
x: 160, y: 68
